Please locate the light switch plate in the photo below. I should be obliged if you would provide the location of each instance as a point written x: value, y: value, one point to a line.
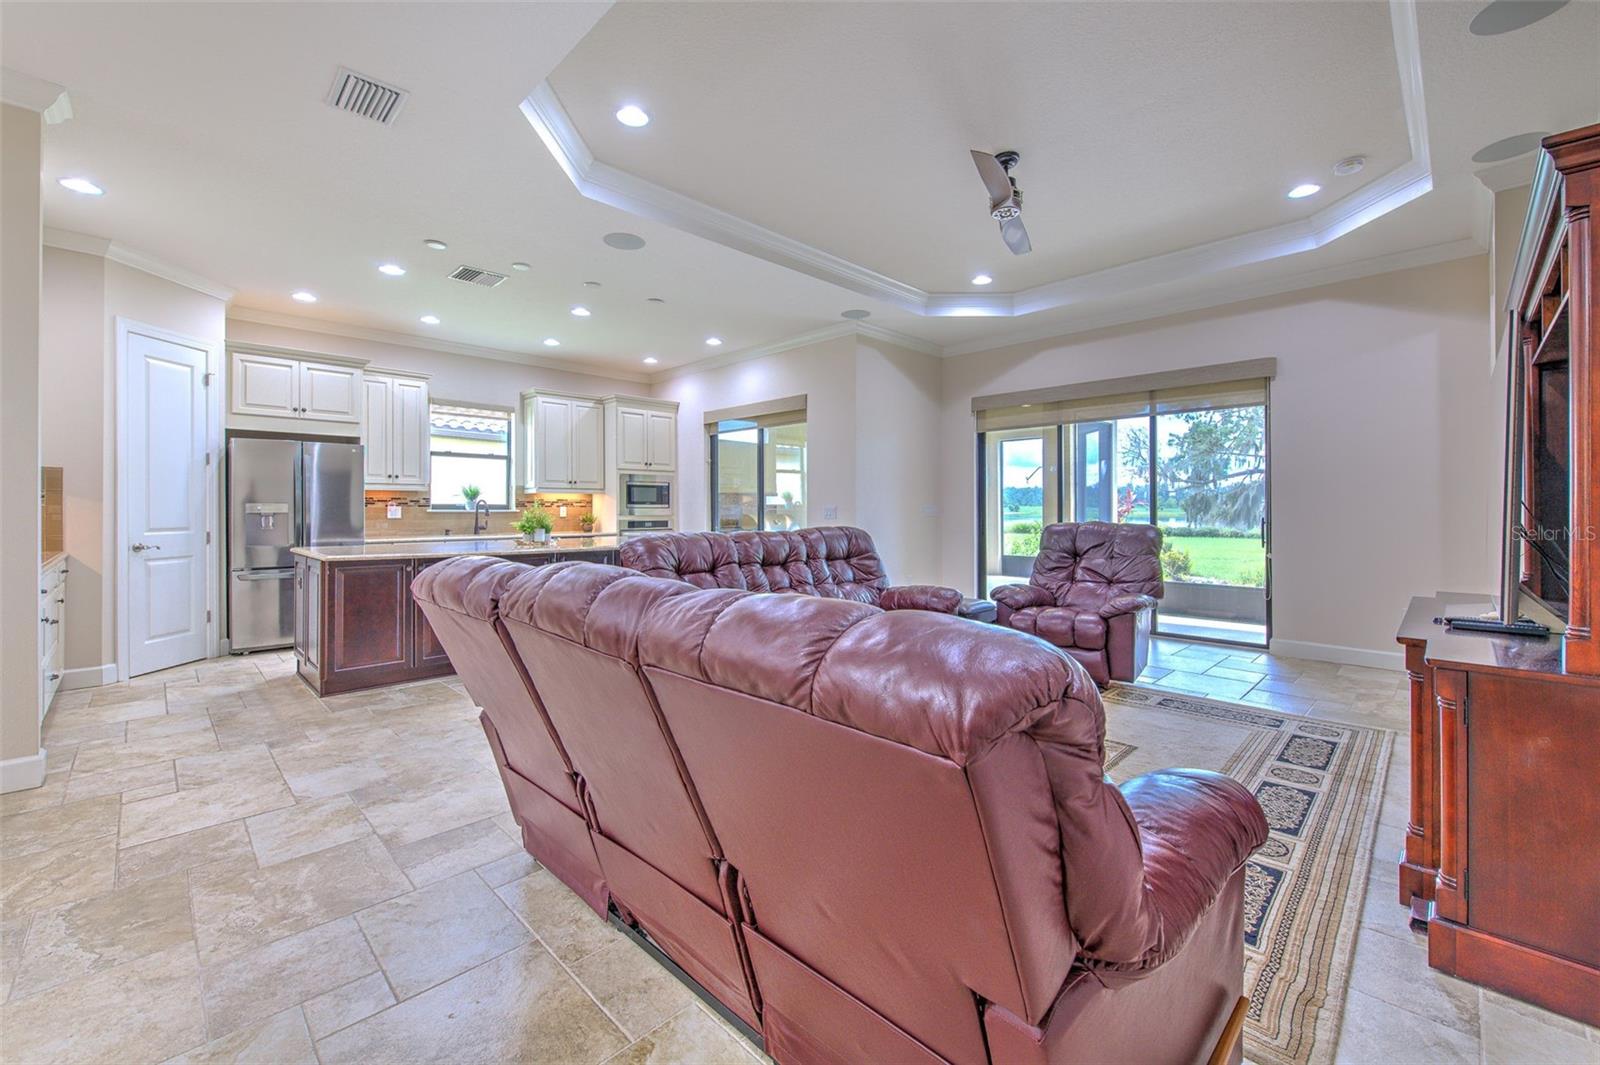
x: 830, y: 513
x: 392, y: 511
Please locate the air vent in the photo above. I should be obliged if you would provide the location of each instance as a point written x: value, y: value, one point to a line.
x: 367, y: 97
x: 473, y: 276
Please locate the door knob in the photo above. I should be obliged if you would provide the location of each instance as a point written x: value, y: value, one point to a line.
x: 146, y: 547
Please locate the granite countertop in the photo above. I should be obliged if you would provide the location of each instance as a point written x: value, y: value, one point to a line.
x: 487, y: 545
x: 50, y: 558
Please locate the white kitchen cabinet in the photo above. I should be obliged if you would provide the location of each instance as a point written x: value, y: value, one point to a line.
x: 646, y: 438
x: 282, y: 386
x: 565, y: 438
x: 266, y: 384
x: 330, y: 392
x: 395, y: 430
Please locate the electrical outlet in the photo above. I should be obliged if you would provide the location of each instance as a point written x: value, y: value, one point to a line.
x: 392, y: 511
x: 830, y: 513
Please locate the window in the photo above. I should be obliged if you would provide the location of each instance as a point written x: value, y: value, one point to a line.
x: 470, y: 448
x: 1189, y: 456
x: 758, y: 472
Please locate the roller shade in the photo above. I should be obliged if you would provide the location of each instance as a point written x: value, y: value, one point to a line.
x: 1200, y: 388
x: 790, y: 410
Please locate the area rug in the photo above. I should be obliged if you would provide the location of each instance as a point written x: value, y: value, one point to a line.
x: 1321, y: 785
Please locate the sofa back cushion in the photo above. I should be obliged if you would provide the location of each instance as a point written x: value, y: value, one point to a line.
x: 834, y: 561
x: 1125, y: 558
x: 461, y: 600
x: 915, y: 804
x: 575, y: 627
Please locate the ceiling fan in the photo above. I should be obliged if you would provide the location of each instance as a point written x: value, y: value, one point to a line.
x: 1005, y: 199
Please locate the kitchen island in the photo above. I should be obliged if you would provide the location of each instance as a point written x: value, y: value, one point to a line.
x: 355, y: 624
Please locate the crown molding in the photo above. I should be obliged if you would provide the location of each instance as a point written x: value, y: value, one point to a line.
x: 1222, y: 295
x: 35, y: 94
x: 67, y: 240
x: 425, y: 343
x: 800, y: 340
x: 606, y: 184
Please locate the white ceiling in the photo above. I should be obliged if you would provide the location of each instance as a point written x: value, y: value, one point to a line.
x: 1144, y: 128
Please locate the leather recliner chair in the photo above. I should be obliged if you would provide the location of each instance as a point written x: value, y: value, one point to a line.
x: 832, y: 561
x: 917, y: 859
x: 1093, y: 593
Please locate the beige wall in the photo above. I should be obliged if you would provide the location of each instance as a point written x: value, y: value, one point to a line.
x: 84, y: 295
x: 20, y: 229
x: 1385, y: 443
x: 872, y: 417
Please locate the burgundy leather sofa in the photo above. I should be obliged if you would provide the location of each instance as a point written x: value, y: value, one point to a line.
x: 1093, y: 594
x: 832, y: 561
x: 857, y: 842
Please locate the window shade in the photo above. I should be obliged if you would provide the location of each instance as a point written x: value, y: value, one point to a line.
x: 1200, y: 388
x: 790, y: 410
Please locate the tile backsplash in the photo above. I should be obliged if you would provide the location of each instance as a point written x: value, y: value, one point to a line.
x: 417, y: 520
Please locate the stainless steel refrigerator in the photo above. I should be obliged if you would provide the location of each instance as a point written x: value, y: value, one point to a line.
x: 283, y: 494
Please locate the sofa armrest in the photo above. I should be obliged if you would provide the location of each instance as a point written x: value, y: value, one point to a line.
x: 920, y: 597
x: 1196, y: 829
x: 1022, y: 596
x: 1126, y: 604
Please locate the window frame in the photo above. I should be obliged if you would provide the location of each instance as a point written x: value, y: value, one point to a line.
x: 509, y: 457
x: 762, y: 425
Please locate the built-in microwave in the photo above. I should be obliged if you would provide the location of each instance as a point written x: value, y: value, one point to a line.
x: 646, y: 494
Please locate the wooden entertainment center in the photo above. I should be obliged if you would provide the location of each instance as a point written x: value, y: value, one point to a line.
x: 1502, y: 853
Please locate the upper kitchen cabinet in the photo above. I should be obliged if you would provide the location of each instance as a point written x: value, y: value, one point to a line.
x: 565, y: 443
x: 394, y: 428
x: 280, y: 386
x: 644, y: 433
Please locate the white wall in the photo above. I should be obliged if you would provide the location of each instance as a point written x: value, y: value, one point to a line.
x: 462, y: 378
x: 1385, y: 443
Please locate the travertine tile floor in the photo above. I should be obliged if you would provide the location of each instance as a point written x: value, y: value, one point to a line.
x: 221, y: 867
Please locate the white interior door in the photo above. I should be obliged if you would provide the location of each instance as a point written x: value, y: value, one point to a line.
x: 165, y: 482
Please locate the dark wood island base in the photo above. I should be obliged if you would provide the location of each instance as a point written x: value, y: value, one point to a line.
x: 356, y: 625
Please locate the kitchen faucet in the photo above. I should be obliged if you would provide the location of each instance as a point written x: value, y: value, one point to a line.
x: 480, y: 517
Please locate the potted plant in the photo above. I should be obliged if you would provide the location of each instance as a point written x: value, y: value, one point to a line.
x: 536, y: 523
x: 588, y: 522
x: 471, y: 492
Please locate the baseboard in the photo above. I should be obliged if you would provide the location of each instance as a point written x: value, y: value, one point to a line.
x: 1344, y: 656
x: 20, y: 774
x: 88, y: 676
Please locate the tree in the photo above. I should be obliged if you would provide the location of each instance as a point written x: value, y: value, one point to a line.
x: 1217, y: 467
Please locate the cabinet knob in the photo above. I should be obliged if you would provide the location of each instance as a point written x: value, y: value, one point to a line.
x: 54, y: 677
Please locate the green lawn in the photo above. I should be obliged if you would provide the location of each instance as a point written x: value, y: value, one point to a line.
x: 1236, y: 560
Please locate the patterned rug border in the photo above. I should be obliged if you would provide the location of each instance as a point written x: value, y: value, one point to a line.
x: 1350, y: 859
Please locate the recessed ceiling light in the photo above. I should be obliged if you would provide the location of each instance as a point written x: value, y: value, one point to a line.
x: 1508, y: 147
x: 855, y: 315
x: 82, y: 185
x: 624, y: 241
x: 713, y: 342
x: 430, y: 319
x: 304, y: 297
x: 633, y: 115
x: 551, y: 342
x: 1300, y: 192
x: 981, y: 279
x: 436, y: 245
x: 650, y: 360
x: 521, y: 266
x: 392, y: 270
x: 1503, y: 16
x: 580, y: 312
x: 1352, y: 165
x: 591, y: 284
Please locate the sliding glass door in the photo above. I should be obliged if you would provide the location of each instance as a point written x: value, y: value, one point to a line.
x: 1193, y: 462
x: 758, y: 474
